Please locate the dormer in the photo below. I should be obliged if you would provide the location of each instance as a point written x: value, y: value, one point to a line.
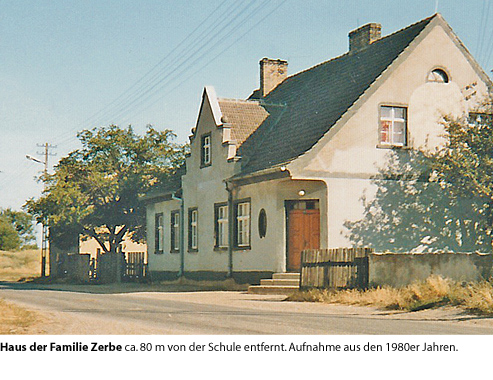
x: 240, y: 119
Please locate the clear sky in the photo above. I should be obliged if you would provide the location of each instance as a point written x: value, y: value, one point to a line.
x: 66, y: 65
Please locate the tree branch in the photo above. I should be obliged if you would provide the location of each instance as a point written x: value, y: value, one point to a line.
x: 92, y: 233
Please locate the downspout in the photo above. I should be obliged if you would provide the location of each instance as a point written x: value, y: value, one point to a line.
x: 181, y: 273
x: 229, y: 189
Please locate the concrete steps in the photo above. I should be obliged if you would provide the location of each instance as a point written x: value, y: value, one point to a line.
x: 281, y: 283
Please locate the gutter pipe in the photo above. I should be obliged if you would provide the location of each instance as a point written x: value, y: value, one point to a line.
x: 229, y: 189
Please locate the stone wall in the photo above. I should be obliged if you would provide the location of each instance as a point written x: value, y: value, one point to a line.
x: 400, y: 269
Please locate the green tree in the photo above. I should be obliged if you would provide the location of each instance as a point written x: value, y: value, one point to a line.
x: 439, y: 199
x: 413, y: 211
x: 23, y: 224
x: 95, y: 190
x: 9, y: 238
x: 465, y: 164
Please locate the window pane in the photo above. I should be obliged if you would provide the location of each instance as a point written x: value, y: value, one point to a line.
x: 159, y: 237
x: 385, y: 131
x: 386, y: 112
x: 399, y: 128
x: 399, y: 113
x: 399, y: 135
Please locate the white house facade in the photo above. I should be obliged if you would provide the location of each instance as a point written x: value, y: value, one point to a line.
x: 285, y: 169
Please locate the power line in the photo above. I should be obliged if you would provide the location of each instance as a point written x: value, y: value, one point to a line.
x: 478, y: 41
x: 204, y: 43
x: 224, y: 30
x: 483, y: 34
x: 102, y: 114
x: 216, y: 57
x: 184, y: 49
x: 10, y: 177
x: 159, y: 86
x: 157, y: 79
x: 164, y: 59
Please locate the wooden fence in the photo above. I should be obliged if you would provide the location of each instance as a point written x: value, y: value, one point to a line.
x: 104, y: 268
x: 335, y: 268
x: 136, y: 267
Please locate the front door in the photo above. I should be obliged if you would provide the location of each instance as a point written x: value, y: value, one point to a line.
x: 303, y: 231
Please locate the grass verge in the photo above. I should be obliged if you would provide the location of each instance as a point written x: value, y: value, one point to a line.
x: 435, y: 291
x: 14, y: 319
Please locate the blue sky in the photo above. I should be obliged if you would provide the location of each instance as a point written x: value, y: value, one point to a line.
x: 68, y: 65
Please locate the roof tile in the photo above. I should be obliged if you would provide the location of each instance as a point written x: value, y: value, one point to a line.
x: 244, y: 116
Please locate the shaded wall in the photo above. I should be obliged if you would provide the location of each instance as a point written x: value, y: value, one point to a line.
x: 400, y: 269
x: 61, y: 244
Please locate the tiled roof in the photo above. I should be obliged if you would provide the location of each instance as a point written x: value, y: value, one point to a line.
x: 244, y: 117
x: 306, y: 105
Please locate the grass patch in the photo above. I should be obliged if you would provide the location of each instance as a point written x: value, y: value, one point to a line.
x: 435, y: 291
x: 15, y: 266
x: 14, y: 319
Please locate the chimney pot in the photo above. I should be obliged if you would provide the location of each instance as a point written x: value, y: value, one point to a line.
x: 364, y: 36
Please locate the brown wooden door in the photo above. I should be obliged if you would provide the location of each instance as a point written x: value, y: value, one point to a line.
x: 303, y: 233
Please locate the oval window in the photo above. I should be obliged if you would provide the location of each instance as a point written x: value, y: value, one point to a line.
x: 262, y: 223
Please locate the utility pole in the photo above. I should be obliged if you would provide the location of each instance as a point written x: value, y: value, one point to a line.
x: 44, y: 230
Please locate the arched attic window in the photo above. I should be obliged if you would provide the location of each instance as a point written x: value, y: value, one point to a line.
x: 438, y: 76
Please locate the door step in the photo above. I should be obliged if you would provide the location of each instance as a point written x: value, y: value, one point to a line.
x: 281, y: 283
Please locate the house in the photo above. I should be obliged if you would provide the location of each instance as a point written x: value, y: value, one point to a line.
x: 90, y: 246
x: 283, y: 170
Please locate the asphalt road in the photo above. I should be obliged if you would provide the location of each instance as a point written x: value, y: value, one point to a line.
x: 100, y: 310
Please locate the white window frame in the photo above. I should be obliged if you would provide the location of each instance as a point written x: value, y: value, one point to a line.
x: 175, y: 225
x: 243, y: 224
x: 222, y: 226
x: 194, y: 225
x: 206, y: 150
x: 159, y: 230
x: 392, y: 121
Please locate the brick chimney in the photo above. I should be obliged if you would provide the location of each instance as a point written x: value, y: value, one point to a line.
x: 272, y: 72
x: 364, y: 36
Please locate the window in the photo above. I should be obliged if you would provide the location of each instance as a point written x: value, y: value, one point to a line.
x: 393, y: 125
x: 175, y: 231
x: 193, y: 234
x: 262, y: 223
x: 221, y: 225
x: 438, y: 76
x: 205, y: 155
x: 159, y: 234
x: 243, y: 224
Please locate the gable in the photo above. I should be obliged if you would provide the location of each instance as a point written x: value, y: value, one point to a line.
x: 305, y: 106
x: 351, y: 147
